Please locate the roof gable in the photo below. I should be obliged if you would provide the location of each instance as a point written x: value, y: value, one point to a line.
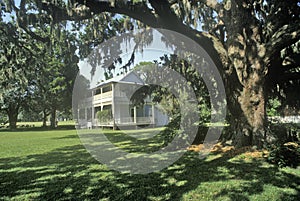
x: 130, y: 77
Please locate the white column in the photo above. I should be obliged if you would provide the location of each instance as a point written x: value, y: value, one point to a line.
x: 85, y: 113
x: 93, y: 109
x: 78, y: 117
x: 113, y: 104
x: 153, y: 114
x: 134, y: 114
x: 78, y: 113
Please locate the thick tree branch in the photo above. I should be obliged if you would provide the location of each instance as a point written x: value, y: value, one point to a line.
x: 139, y: 11
x: 284, y: 37
x: 161, y: 16
x: 164, y: 14
x: 59, y: 14
x: 169, y: 20
x: 32, y: 34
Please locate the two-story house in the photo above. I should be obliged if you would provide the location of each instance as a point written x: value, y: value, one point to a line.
x: 113, y: 96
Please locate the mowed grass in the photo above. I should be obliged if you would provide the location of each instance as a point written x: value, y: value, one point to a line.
x: 54, y: 165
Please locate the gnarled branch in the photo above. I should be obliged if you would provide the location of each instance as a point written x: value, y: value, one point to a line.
x: 283, y: 37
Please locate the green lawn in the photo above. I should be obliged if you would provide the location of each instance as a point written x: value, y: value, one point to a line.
x: 54, y: 165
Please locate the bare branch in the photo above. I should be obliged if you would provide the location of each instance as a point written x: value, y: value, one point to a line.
x: 32, y: 34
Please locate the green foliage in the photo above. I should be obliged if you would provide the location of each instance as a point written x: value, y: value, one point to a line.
x: 285, y: 132
x: 158, y: 70
x: 17, y: 62
x: 171, y: 130
x: 36, y: 76
x: 272, y: 107
x: 104, y: 116
x: 151, y: 71
x: 3, y: 117
x: 287, y: 154
x: 29, y: 116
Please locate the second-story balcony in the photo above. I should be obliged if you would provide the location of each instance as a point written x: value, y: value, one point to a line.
x: 101, y: 97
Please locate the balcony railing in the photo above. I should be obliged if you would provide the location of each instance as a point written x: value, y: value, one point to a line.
x: 103, y: 96
x: 125, y: 121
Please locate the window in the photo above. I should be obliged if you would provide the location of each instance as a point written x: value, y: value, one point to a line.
x: 97, y: 91
x: 106, y: 89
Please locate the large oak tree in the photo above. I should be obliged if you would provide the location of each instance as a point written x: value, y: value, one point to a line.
x: 16, y: 82
x: 37, y: 73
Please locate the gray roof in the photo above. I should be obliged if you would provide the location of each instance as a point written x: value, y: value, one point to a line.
x: 124, y: 78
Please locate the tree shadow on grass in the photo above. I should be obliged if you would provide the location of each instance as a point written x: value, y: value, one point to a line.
x: 70, y: 173
x: 257, y: 179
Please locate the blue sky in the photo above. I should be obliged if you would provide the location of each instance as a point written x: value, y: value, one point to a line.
x: 152, y: 52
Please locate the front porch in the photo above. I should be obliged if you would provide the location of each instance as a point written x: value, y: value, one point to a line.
x: 127, y: 122
x: 116, y: 116
x: 122, y: 115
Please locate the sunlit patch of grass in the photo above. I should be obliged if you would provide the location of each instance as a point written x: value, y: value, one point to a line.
x: 54, y: 165
x: 137, y: 141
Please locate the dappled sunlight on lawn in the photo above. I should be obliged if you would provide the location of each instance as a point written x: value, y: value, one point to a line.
x: 64, y: 170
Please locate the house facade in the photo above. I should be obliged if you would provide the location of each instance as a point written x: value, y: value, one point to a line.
x: 110, y: 105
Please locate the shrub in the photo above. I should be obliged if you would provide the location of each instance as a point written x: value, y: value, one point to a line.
x: 285, y: 132
x: 287, y: 154
x: 171, y: 129
x: 104, y: 116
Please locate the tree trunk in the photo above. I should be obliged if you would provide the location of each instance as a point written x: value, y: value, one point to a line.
x: 248, y: 65
x: 248, y: 121
x: 12, y: 113
x: 44, y: 118
x: 12, y: 120
x: 248, y: 91
x: 247, y: 99
x: 53, y: 118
